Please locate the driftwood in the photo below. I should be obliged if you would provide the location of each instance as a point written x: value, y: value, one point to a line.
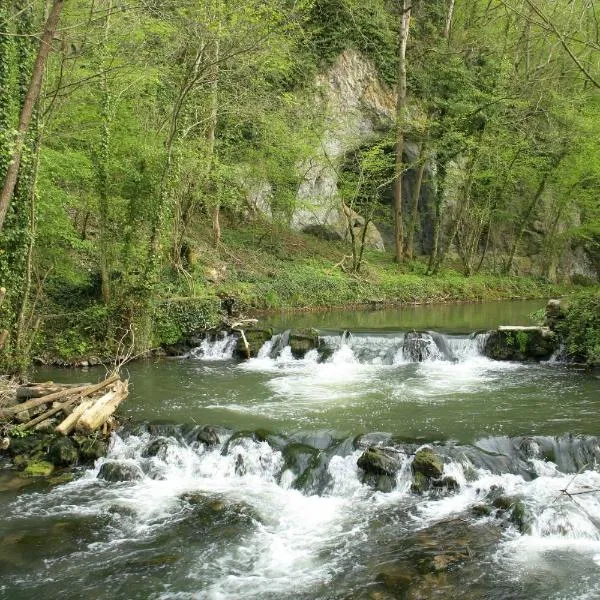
x: 38, y: 390
x: 102, y: 409
x: 76, y: 391
x: 49, y: 413
x: 69, y: 423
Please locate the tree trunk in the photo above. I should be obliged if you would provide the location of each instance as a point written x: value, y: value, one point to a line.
x: 102, y: 159
x: 33, y: 92
x: 415, y: 205
x: 529, y: 211
x: 448, y: 24
x: 102, y: 409
x: 76, y: 391
x: 400, y: 124
x: 212, y: 126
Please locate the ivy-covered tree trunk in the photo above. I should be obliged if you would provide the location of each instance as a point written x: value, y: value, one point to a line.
x: 33, y: 92
x: 16, y: 237
x: 101, y: 160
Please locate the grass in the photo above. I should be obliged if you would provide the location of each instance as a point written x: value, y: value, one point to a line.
x: 269, y: 268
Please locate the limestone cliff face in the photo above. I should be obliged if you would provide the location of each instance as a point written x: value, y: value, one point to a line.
x: 358, y: 108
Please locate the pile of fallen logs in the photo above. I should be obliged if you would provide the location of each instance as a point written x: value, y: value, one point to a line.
x: 67, y: 408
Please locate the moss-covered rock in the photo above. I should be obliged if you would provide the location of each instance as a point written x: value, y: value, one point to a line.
x: 91, y: 447
x: 115, y: 471
x: 63, y: 452
x: 256, y: 339
x: 41, y: 468
x: 302, y: 341
x: 428, y: 463
x: 378, y: 461
x: 521, y: 343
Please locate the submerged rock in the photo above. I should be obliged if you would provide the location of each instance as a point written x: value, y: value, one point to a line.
x: 40, y: 468
x: 521, y: 343
x: 115, y: 471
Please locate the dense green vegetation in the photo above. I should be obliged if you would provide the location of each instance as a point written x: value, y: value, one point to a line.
x: 581, y: 328
x: 160, y: 169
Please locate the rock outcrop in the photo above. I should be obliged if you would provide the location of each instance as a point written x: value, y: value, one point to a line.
x: 521, y: 343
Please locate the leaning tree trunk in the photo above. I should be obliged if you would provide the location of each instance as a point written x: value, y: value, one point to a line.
x: 529, y: 211
x: 10, y: 179
x: 400, y: 124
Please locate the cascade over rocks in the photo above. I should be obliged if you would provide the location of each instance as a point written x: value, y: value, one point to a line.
x: 302, y: 341
x: 418, y: 347
x: 255, y: 339
x: 380, y: 466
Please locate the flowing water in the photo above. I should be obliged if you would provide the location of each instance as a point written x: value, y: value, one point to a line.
x: 269, y: 501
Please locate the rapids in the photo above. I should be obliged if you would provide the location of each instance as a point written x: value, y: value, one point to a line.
x: 250, y: 486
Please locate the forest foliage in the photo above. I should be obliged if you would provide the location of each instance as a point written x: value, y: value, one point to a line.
x: 157, y: 122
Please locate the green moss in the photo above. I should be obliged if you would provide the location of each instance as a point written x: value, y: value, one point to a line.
x: 40, y: 468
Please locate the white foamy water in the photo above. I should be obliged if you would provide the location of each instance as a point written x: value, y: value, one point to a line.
x: 218, y: 349
x: 295, y: 542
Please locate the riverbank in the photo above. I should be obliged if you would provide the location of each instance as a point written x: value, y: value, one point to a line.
x: 256, y: 269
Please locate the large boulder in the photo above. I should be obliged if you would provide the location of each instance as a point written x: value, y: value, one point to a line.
x: 115, y: 471
x: 521, y: 343
x: 302, y: 341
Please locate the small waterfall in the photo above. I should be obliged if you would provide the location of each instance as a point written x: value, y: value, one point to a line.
x: 215, y: 348
x: 386, y: 348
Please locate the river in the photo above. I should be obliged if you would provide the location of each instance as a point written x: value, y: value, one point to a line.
x: 278, y: 507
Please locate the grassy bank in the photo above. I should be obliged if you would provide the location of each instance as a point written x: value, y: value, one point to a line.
x: 263, y: 268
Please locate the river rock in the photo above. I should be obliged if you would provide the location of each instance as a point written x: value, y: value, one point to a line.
x: 115, y: 471
x: 521, y: 343
x: 256, y: 339
x: 300, y: 459
x: 155, y: 447
x: 302, y: 341
x: 418, y: 347
x: 380, y: 466
x: 379, y: 461
x: 428, y: 463
x: 208, y: 436
x: 63, y: 452
x: 90, y: 447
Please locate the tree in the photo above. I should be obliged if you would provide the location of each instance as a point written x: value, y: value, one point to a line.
x: 10, y: 178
